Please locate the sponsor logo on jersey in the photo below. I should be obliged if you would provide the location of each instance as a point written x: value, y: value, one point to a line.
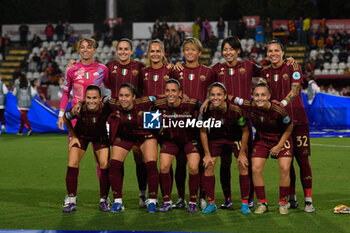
x: 242, y: 70
x: 191, y: 77
x: 124, y: 71
x: 287, y: 153
x: 275, y: 77
x: 166, y: 77
x: 231, y: 71
x: 285, y: 76
x: 155, y: 78
x: 79, y: 77
x: 296, y: 75
x: 202, y: 78
x: 222, y: 73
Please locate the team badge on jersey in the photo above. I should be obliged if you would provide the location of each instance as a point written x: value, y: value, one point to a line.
x: 202, y: 78
x: 93, y: 120
x: 275, y: 77
x: 181, y: 75
x: 87, y: 75
x: 135, y: 72
x: 231, y: 71
x: 286, y: 120
x: 166, y: 77
x: 261, y: 118
x: 285, y: 76
x: 124, y: 71
x: 242, y: 70
x: 296, y: 75
x: 191, y: 77
x: 128, y: 116
x: 155, y: 78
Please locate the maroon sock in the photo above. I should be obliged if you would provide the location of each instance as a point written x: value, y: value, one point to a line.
x: 72, y: 181
x: 193, y: 183
x: 116, y: 178
x: 209, y: 186
x: 180, y: 178
x: 305, y: 172
x: 202, y: 191
x: 141, y: 173
x: 244, y: 183
x: 284, y: 191
x: 171, y: 172
x: 250, y: 173
x: 104, y: 183
x: 165, y: 186
x: 292, y: 180
x: 152, y: 179
x: 260, y: 193
x: 225, y: 178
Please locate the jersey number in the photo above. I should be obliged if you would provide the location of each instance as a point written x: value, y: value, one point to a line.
x: 300, y: 141
x: 286, y: 144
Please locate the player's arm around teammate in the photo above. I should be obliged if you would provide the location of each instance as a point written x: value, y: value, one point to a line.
x: 127, y: 131
x: 87, y: 129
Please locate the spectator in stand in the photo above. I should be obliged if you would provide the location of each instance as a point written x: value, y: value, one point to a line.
x: 196, y: 28
x: 319, y: 61
x: 156, y: 34
x: 181, y: 34
x: 24, y: 93
x: 72, y: 40
x: 139, y: 51
x: 259, y: 34
x: 23, y: 33
x: 346, y: 91
x: 36, y: 41
x: 327, y: 56
x: 306, y: 28
x: 4, y: 43
x: 347, y: 70
x: 300, y: 31
x: 291, y: 30
x: 343, y: 55
x: 3, y: 93
x: 32, y: 66
x: 213, y: 43
x: 53, y: 52
x: 164, y: 27
x: 44, y: 53
x: 321, y: 42
x: 221, y: 28
x: 68, y: 30
x: 118, y: 30
x: 329, y: 42
x: 337, y: 41
x: 313, y: 37
x: 45, y: 78
x: 332, y: 91
x: 312, y: 89
x: 309, y: 67
x: 175, y: 44
x: 156, y: 27
x: 344, y: 39
x: 59, y: 30
x: 268, y: 29
x: 49, y: 31
x: 241, y: 29
x: 200, y: 22
x: 105, y: 30
x: 206, y: 32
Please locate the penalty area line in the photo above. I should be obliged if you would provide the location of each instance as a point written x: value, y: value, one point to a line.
x: 328, y: 145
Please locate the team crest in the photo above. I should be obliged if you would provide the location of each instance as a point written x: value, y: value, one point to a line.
x: 267, y: 75
x: 96, y: 74
x: 285, y: 76
x: 166, y: 77
x: 115, y: 67
x: 242, y: 70
x: 221, y: 73
x: 202, y: 78
x: 140, y: 113
x: 135, y: 72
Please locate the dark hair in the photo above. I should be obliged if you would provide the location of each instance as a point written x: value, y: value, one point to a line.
x: 233, y: 41
x: 127, y: 40
x: 130, y: 87
x: 217, y: 84
x: 172, y: 80
x: 23, y: 81
x: 274, y: 41
x: 263, y: 84
x: 93, y: 87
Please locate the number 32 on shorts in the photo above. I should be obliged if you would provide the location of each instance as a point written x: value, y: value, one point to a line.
x: 302, y: 141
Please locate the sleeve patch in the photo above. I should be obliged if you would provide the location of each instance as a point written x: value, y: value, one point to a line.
x: 241, y: 121
x: 286, y: 120
x: 296, y: 75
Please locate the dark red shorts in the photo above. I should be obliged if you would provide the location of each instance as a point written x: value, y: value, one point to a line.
x: 174, y: 148
x: 262, y: 149
x: 127, y: 145
x: 301, y: 140
x: 217, y: 147
x: 96, y: 145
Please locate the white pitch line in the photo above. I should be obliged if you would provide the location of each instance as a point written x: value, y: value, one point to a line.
x: 327, y: 145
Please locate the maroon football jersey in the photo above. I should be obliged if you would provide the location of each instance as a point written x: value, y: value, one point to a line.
x: 90, y: 125
x: 120, y: 74
x: 238, y: 78
x: 128, y: 125
x: 153, y: 80
x: 195, y: 81
x: 280, y: 81
x: 231, y: 122
x: 171, y: 131
x: 270, y: 124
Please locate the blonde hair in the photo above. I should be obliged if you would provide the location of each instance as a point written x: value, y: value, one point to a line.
x: 194, y: 41
x: 90, y: 41
x: 156, y: 41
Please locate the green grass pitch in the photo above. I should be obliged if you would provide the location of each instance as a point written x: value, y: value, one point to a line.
x: 32, y: 188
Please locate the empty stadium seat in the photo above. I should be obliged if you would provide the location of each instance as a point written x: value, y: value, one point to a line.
x: 332, y: 71
x: 341, y: 65
x: 100, y: 43
x: 326, y: 65
x: 105, y: 49
x: 313, y: 54
x: 36, y: 75
x: 325, y: 71
x: 251, y: 42
x: 317, y: 72
x: 335, y: 59
x: 334, y: 65
x: 340, y: 71
x: 75, y: 56
x: 29, y: 75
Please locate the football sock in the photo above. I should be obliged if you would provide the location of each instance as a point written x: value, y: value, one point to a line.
x: 72, y: 180
x: 209, y: 186
x: 152, y: 179
x: 104, y: 183
x: 193, y: 183
x: 165, y: 186
x: 244, y: 183
x: 180, y: 178
x: 284, y: 190
x: 116, y: 178
x: 260, y: 193
x: 305, y: 175
x: 292, y: 180
x: 225, y: 179
x: 141, y: 173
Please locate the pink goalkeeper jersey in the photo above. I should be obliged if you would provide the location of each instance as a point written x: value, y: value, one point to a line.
x: 79, y: 77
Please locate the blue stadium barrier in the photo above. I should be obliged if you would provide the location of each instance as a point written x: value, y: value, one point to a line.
x: 329, y: 116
